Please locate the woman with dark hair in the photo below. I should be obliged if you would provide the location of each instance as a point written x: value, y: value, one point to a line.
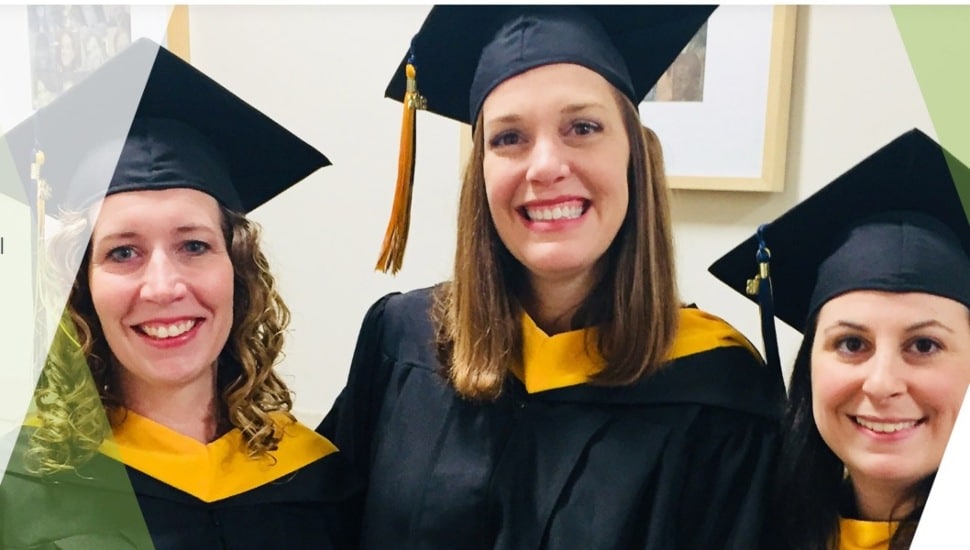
x: 874, y: 269
x: 554, y: 393
x: 158, y: 419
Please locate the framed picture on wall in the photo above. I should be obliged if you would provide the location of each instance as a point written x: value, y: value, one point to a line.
x: 67, y: 42
x: 721, y: 110
x: 52, y: 47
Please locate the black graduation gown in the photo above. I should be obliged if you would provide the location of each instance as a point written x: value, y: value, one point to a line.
x: 678, y: 461
x: 110, y: 505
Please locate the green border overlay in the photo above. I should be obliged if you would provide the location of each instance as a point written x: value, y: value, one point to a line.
x: 937, y: 40
x: 95, y: 505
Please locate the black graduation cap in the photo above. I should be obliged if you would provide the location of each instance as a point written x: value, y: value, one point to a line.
x: 894, y: 222
x: 147, y: 120
x: 462, y: 52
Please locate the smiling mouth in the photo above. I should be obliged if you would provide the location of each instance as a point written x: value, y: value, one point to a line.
x: 887, y: 427
x: 569, y: 210
x: 170, y: 330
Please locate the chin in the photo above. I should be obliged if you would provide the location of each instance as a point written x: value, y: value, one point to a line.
x: 558, y: 263
x: 891, y: 469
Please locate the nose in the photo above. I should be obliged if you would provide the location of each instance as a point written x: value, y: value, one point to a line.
x: 884, y: 379
x: 548, y: 162
x: 163, y: 281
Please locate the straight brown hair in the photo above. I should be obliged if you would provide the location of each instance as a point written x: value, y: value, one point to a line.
x: 634, y: 304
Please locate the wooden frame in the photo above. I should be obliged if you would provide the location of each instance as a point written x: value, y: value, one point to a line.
x: 177, y: 34
x: 769, y: 117
x: 736, y: 139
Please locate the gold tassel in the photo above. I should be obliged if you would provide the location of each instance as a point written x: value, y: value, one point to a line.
x: 396, y: 236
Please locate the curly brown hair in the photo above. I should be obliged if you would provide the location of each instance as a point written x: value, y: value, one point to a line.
x: 77, y: 385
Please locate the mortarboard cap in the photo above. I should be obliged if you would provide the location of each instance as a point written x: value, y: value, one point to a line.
x: 894, y: 222
x: 462, y: 52
x: 147, y: 120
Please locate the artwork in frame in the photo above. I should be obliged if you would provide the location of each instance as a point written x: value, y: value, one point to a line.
x: 61, y: 44
x: 721, y: 110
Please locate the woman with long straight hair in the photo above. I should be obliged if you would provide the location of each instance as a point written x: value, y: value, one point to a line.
x: 555, y: 393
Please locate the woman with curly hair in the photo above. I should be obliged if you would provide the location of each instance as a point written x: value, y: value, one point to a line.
x: 159, y: 420
x: 874, y: 269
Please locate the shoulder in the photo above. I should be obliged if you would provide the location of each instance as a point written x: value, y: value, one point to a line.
x: 699, y: 331
x: 407, y: 307
x: 713, y: 364
x: 400, y: 325
x: 299, y: 443
x: 316, y: 460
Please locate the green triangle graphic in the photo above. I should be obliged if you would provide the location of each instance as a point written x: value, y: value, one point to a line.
x: 937, y: 40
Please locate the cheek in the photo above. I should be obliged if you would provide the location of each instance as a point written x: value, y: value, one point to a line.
x: 497, y: 180
x: 500, y: 188
x: 942, y: 392
x: 220, y: 286
x: 830, y: 390
x: 611, y: 176
x: 110, y: 294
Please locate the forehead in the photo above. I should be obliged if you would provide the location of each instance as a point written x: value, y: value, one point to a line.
x: 888, y: 307
x: 156, y: 208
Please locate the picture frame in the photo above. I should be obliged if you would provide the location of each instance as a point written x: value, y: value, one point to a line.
x: 735, y: 138
x: 61, y: 44
x: 747, y: 77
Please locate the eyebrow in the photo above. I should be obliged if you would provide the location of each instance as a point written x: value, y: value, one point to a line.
x: 504, y: 119
x: 568, y: 109
x: 191, y: 228
x: 929, y: 323
x: 181, y: 230
x: 845, y: 324
x: 911, y: 328
x: 577, y: 107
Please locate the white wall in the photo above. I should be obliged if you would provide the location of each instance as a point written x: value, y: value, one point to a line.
x: 321, y: 70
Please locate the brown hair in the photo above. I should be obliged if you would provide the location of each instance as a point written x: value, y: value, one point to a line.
x: 634, y: 304
x: 77, y: 383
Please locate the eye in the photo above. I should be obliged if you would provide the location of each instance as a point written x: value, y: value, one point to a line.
x: 585, y: 127
x: 925, y: 346
x: 196, y: 248
x: 850, y: 345
x: 505, y: 139
x: 121, y: 254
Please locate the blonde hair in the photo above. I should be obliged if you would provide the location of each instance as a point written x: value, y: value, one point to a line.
x: 77, y: 383
x: 634, y: 304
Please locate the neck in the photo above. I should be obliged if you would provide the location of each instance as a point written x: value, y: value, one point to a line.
x: 190, y: 410
x: 552, y: 303
x: 880, y: 501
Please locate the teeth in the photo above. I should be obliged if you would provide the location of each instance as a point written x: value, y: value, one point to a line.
x: 168, y: 331
x: 559, y: 212
x: 885, y: 427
